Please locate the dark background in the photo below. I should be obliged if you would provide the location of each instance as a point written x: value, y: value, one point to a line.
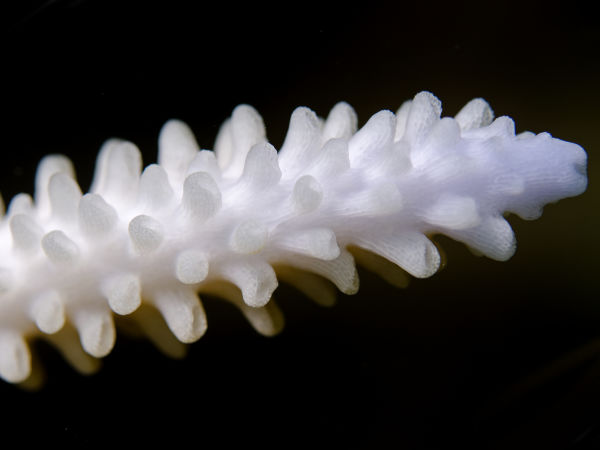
x: 483, y: 355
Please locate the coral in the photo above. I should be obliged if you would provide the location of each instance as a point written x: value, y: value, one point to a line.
x: 231, y: 222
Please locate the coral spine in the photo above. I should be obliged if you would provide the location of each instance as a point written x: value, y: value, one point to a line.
x: 231, y: 222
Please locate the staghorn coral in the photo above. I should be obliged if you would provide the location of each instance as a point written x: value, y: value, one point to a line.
x: 231, y: 222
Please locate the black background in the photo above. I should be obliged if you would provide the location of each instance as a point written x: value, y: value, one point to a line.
x: 483, y: 355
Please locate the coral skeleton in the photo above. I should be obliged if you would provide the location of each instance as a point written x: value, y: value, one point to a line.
x: 141, y: 246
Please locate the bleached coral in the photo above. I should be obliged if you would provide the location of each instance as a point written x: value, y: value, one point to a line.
x: 230, y: 222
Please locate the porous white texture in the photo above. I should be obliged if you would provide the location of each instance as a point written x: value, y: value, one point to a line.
x: 230, y: 223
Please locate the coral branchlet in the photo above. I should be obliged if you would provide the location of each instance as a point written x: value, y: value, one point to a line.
x: 231, y: 222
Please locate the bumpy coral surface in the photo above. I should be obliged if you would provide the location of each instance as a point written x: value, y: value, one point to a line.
x: 231, y: 222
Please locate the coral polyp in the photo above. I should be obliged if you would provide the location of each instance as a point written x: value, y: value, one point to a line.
x: 232, y: 221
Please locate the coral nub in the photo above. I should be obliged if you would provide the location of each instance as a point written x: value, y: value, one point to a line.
x: 146, y: 233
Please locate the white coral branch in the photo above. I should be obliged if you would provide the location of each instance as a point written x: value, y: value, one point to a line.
x: 230, y: 222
